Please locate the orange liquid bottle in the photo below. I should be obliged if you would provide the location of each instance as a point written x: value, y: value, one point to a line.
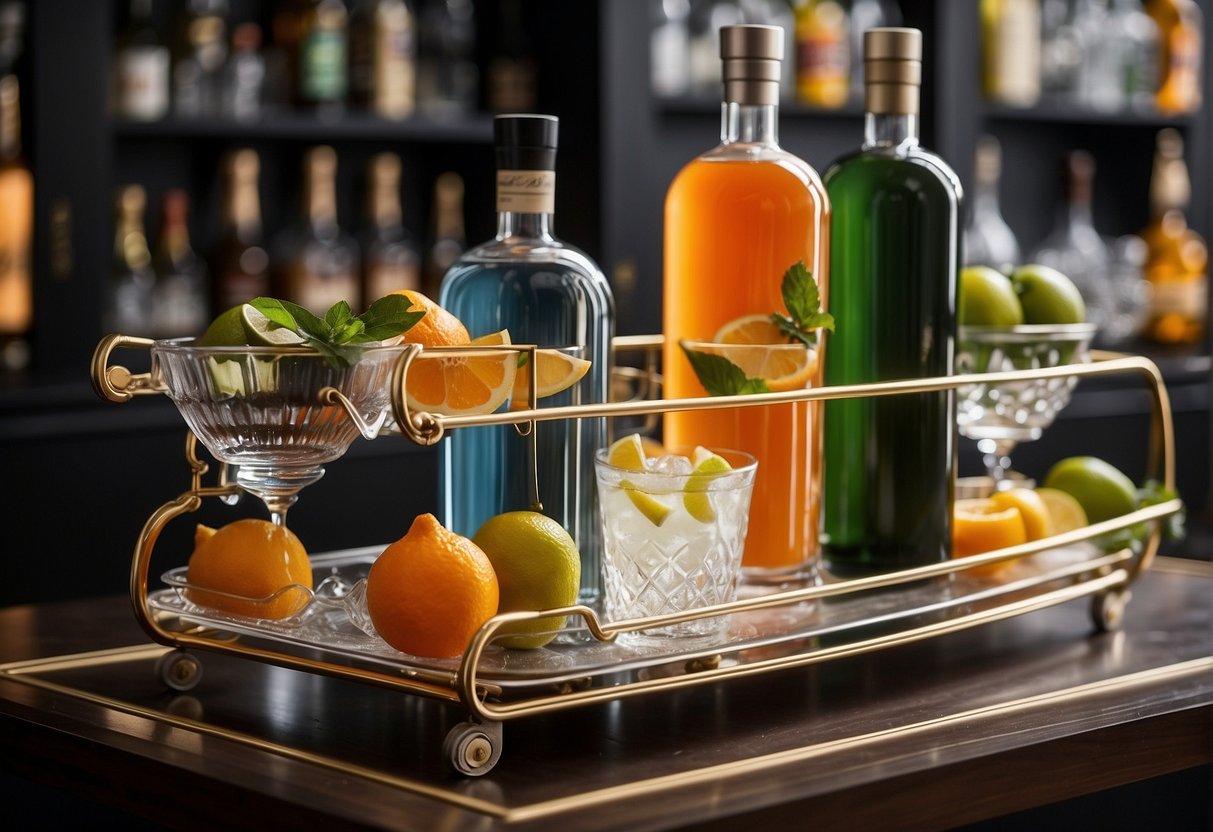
x: 735, y: 219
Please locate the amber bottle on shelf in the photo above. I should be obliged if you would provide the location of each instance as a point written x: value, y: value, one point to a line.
x: 16, y: 227
x: 390, y: 259
x: 240, y: 265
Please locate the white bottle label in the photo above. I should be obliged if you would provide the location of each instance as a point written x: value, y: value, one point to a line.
x: 143, y: 83
x: 526, y: 191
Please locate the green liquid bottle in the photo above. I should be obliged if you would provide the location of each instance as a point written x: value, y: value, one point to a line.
x: 894, y: 257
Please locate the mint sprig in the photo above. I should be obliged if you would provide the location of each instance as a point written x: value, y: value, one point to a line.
x: 721, y: 377
x: 802, y: 300
x: 338, y: 334
x: 1153, y: 493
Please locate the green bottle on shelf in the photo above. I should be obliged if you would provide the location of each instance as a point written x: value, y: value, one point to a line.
x: 894, y: 257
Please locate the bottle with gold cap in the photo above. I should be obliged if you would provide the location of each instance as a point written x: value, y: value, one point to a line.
x: 736, y: 218
x: 894, y: 257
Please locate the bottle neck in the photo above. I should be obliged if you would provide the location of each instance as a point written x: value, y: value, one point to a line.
x: 531, y: 226
x: 243, y: 210
x: 886, y: 130
x: 385, y: 205
x: 749, y: 123
x: 320, y: 207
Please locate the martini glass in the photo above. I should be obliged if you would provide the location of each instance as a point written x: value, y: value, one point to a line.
x: 270, y: 412
x: 1001, y: 415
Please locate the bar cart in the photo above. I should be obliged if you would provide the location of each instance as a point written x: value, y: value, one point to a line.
x: 768, y: 631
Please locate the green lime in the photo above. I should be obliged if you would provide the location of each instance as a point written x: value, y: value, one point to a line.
x: 1048, y: 296
x: 538, y: 568
x: 987, y: 298
x: 1100, y: 488
x: 227, y: 330
x: 260, y: 331
x: 708, y: 466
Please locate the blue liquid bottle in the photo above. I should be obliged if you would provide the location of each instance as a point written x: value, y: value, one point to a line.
x: 547, y: 293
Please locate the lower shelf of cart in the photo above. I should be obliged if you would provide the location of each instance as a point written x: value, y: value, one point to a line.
x: 334, y: 626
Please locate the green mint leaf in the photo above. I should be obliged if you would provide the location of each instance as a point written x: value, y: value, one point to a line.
x: 337, y: 316
x: 800, y: 295
x: 721, y: 377
x: 276, y: 311
x: 306, y: 323
x: 794, y: 332
x: 1154, y: 493
x: 338, y: 355
x: 388, y: 317
x: 524, y: 358
x: 347, y: 331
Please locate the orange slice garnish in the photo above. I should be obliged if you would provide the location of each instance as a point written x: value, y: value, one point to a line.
x: 464, y: 385
x: 782, y: 366
x: 750, y: 329
x: 982, y: 525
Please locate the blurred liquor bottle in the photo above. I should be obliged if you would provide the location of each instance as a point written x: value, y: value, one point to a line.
x: 179, y: 300
x: 706, y: 19
x: 201, y: 51
x: 383, y: 58
x: 16, y: 227
x: 1178, y: 258
x: 1180, y: 27
x: 243, y: 83
x: 450, y: 238
x: 513, y: 84
x: 132, y: 280
x: 1011, y: 37
x: 989, y: 241
x: 316, y: 261
x: 390, y: 258
x: 670, y: 48
x: 240, y: 265
x: 868, y: 14
x: 823, y: 53
x: 322, y: 68
x: 448, y: 79
x: 1060, y: 51
x: 141, y: 71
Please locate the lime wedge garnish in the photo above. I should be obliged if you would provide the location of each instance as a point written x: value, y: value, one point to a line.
x: 260, y: 331
x: 707, y: 467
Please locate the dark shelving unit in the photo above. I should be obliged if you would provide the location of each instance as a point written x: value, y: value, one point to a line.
x: 471, y: 129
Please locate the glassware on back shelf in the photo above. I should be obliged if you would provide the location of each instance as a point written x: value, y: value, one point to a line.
x: 449, y: 238
x: 16, y: 231
x: 512, y: 83
x: 179, y: 301
x: 12, y: 35
x: 1011, y: 37
x: 1178, y: 258
x: 1074, y: 247
x: 1061, y: 51
x: 670, y: 48
x: 201, y: 53
x: 1181, y: 54
x: 390, y: 259
x: 1131, y: 292
x: 894, y: 263
x: 448, y: 79
x: 708, y: 17
x: 823, y: 53
x: 1136, y: 36
x: 322, y: 69
x: 132, y: 280
x: 243, y: 80
x: 141, y: 71
x: 241, y: 266
x: 383, y: 58
x: 988, y: 240
x: 719, y: 268
x: 545, y: 292
x: 316, y: 261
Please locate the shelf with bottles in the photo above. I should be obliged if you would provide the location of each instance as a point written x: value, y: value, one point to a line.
x: 1072, y: 114
x: 471, y: 128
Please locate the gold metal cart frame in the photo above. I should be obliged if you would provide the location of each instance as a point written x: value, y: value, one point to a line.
x: 474, y: 747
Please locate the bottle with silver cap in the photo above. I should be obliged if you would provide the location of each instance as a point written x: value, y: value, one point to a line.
x: 894, y: 257
x: 544, y: 292
x: 736, y: 219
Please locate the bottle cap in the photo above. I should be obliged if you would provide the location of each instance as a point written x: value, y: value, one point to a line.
x: 752, y: 56
x: 892, y: 67
x: 525, y: 141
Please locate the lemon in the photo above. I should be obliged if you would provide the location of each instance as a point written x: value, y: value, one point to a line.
x: 1066, y: 513
x: 1037, y: 521
x: 1048, y: 296
x: 707, y: 467
x: 627, y: 453
x: 987, y: 298
x: 538, y: 568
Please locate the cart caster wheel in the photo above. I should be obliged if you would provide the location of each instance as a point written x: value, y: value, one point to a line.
x: 473, y: 748
x: 1108, y: 610
x: 178, y: 670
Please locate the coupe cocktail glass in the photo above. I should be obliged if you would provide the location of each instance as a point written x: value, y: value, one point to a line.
x: 999, y: 416
x: 261, y: 409
x: 673, y: 542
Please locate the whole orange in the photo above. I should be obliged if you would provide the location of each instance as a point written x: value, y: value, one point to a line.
x: 438, y: 328
x: 431, y: 590
x: 256, y: 568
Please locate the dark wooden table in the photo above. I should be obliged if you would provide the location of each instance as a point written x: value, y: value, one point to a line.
x: 949, y: 731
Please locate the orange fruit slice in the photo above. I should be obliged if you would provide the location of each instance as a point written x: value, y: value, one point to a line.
x: 430, y: 591
x: 1037, y: 520
x: 782, y: 366
x: 555, y: 370
x: 477, y: 382
x: 982, y: 525
x: 254, y: 568
x: 750, y: 329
